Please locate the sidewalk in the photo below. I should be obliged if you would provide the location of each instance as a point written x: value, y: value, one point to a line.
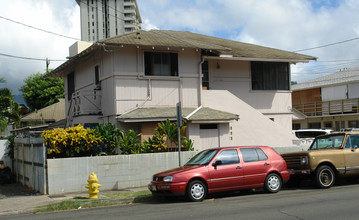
x: 20, y: 204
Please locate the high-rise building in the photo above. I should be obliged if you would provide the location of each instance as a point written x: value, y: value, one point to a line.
x: 102, y: 19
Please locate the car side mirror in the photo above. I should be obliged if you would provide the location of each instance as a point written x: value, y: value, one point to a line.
x: 354, y: 148
x: 217, y: 163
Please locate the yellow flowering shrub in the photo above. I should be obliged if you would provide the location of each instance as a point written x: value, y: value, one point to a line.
x: 72, y: 142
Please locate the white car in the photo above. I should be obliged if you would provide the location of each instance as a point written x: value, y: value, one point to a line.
x: 306, y: 136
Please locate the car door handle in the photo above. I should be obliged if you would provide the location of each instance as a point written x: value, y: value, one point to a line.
x: 238, y: 167
x: 266, y: 164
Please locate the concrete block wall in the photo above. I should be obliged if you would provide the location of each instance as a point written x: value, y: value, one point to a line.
x: 114, y: 172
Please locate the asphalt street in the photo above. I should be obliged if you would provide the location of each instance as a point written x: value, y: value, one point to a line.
x: 339, y: 202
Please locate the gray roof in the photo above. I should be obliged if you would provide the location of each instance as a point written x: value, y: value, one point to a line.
x: 185, y: 39
x: 54, y: 112
x: 160, y: 114
x: 339, y: 78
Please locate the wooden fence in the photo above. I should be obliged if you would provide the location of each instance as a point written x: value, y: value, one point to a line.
x: 30, y: 163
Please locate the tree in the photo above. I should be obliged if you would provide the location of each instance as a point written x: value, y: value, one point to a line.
x: 39, y: 92
x: 9, y: 109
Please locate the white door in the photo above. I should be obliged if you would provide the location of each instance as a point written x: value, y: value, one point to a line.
x: 209, y: 138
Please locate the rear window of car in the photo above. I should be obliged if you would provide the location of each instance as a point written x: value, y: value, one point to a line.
x: 253, y: 154
x: 309, y: 134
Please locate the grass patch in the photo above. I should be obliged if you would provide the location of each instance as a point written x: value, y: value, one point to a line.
x: 122, y: 195
x: 1, y: 197
x: 111, y: 199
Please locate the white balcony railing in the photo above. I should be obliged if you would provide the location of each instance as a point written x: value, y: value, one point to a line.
x: 336, y: 107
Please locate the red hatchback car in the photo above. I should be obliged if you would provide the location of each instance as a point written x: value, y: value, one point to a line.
x: 223, y: 169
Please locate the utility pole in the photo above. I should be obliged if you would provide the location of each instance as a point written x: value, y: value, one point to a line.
x: 179, y: 125
x: 47, y: 65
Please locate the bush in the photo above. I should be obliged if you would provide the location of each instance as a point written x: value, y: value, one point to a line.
x: 109, y: 140
x: 72, y: 142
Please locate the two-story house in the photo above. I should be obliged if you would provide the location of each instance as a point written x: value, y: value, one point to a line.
x: 330, y: 101
x: 232, y: 93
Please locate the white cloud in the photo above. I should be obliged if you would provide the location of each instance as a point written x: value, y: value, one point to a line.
x: 283, y: 24
x: 60, y: 17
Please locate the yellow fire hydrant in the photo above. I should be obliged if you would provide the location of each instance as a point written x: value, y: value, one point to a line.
x: 93, y: 186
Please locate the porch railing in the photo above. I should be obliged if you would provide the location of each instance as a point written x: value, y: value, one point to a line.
x: 84, y: 103
x: 336, y: 107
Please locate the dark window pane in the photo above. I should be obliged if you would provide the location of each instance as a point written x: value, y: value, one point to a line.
x: 208, y: 126
x: 205, y: 75
x: 161, y: 64
x: 270, y: 76
x: 228, y: 157
x: 249, y: 154
x: 261, y: 154
x: 70, y: 85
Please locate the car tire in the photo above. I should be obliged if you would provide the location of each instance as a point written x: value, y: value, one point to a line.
x: 196, y: 191
x: 273, y: 183
x: 324, y: 177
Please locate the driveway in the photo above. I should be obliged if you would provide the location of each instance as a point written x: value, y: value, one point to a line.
x: 15, y: 189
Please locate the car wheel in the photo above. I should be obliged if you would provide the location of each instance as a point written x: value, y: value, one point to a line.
x: 273, y: 183
x: 324, y: 177
x: 196, y: 191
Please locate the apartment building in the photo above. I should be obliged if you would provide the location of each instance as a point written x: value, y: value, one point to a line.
x: 331, y: 101
x: 101, y: 19
x: 232, y: 93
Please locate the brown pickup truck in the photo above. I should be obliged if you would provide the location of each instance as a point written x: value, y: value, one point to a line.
x: 328, y: 157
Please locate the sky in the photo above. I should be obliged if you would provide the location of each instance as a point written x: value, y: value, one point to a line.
x: 329, y: 26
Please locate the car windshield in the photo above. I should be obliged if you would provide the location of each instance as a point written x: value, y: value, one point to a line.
x: 325, y: 142
x: 202, y: 158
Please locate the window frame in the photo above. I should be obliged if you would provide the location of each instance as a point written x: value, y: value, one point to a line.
x: 173, y: 59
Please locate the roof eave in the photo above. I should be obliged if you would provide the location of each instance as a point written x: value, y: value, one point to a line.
x: 259, y: 59
x: 59, y: 71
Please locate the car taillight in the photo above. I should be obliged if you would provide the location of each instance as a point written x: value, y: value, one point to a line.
x: 285, y: 165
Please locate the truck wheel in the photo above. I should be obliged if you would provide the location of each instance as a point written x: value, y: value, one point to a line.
x: 324, y: 177
x: 196, y: 191
x: 273, y: 183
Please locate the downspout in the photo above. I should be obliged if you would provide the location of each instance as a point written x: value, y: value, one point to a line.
x: 200, y: 82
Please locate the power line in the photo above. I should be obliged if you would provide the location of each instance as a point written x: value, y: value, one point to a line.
x: 39, y: 29
x: 327, y: 45
x: 29, y: 58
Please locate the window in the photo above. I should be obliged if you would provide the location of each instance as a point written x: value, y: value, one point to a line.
x: 97, y: 78
x: 270, y: 76
x: 202, y: 158
x: 315, y: 125
x: 326, y: 142
x: 253, y: 154
x: 205, y: 75
x: 70, y: 85
x: 228, y: 157
x: 352, y: 142
x: 353, y: 124
x: 208, y: 126
x: 328, y: 124
x: 161, y: 64
x: 295, y: 126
